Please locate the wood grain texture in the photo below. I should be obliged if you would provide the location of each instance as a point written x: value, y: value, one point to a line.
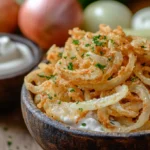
x: 52, y: 135
x: 13, y: 133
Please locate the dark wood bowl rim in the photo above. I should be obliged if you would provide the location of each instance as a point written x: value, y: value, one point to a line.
x: 28, y: 101
x: 35, y: 50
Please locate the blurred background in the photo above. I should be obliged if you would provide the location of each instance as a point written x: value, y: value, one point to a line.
x: 47, y: 22
x: 44, y: 23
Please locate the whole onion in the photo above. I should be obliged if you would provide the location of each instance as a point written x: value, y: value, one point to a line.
x: 47, y: 22
x: 8, y: 15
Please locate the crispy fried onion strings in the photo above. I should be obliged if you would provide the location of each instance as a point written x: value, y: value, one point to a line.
x: 73, y: 110
x: 104, y: 114
x: 123, y: 74
x: 144, y: 95
x: 106, y: 74
x: 139, y: 69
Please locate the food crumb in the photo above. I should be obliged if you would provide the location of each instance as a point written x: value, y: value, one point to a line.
x: 9, y: 143
x: 5, y: 128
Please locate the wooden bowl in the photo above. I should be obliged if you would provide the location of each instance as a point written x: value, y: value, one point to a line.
x: 10, y: 84
x: 52, y: 135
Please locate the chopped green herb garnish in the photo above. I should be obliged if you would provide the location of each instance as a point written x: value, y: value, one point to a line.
x: 70, y: 66
x: 9, y: 143
x: 105, y: 37
x: 73, y: 57
x: 76, y: 42
x: 96, y: 41
x: 65, y: 57
x: 43, y: 76
x: 96, y: 37
x: 87, y: 54
x: 55, y: 95
x: 71, y: 90
x: 53, y: 77
x: 47, y: 77
x: 81, y: 109
x: 83, y: 124
x: 60, y: 62
x: 59, y: 102
x: 133, y: 79
x: 77, y: 102
x: 87, y: 45
x: 112, y: 41
x: 49, y: 96
x: 143, y: 46
x: 102, y: 67
x: 60, y: 54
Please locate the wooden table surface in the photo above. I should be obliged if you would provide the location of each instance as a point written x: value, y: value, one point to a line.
x: 14, y: 134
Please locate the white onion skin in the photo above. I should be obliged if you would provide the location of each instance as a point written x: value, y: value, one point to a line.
x: 47, y: 22
x: 106, y: 12
x: 8, y: 15
x: 141, y: 19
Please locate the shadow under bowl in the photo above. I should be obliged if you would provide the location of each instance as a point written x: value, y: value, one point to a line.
x: 53, y: 135
x: 10, y: 84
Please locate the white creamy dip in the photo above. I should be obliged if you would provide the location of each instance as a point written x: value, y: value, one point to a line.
x: 14, y: 56
x: 89, y: 122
